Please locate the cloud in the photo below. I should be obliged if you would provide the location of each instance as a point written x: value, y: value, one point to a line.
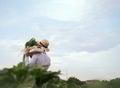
x: 88, y: 30
x: 100, y: 60
x: 65, y: 10
x: 78, y: 38
x: 72, y: 10
x: 94, y: 31
x: 86, y: 65
x: 77, y: 10
x: 11, y: 52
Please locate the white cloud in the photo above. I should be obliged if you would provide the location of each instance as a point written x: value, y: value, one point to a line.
x: 77, y: 38
x: 92, y: 33
x: 77, y: 10
x: 11, y: 52
x: 75, y: 28
x: 84, y: 65
x: 65, y: 10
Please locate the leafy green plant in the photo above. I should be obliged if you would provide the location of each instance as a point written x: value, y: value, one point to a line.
x: 42, y: 76
x: 31, y: 42
x: 19, y: 72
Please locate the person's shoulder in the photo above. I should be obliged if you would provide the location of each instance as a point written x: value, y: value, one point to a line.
x: 45, y: 54
x: 36, y: 50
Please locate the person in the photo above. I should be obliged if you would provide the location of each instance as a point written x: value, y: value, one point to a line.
x: 32, y: 43
x: 40, y: 59
x: 39, y: 55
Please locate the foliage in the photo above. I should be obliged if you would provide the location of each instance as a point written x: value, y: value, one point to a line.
x: 19, y: 72
x: 21, y: 76
x: 96, y: 84
x: 31, y: 42
x: 42, y: 76
x: 63, y: 84
x: 53, y: 83
x: 114, y: 83
x: 74, y: 82
x: 7, y: 81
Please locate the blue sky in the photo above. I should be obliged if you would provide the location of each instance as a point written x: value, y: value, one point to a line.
x: 84, y: 35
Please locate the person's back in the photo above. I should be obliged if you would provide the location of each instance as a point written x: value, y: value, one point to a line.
x: 40, y: 59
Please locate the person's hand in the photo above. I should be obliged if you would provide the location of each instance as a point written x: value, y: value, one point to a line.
x: 27, y: 50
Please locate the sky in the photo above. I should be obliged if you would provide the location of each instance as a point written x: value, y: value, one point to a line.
x: 84, y: 35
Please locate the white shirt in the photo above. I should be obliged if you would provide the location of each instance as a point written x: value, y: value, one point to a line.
x: 41, y: 59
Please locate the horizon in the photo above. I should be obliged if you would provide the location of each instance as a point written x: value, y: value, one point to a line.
x: 84, y: 35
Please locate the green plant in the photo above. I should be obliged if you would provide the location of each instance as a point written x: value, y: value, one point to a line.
x: 42, y: 76
x: 31, y: 42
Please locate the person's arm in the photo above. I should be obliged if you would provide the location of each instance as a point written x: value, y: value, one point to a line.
x: 33, y: 60
x: 27, y: 51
